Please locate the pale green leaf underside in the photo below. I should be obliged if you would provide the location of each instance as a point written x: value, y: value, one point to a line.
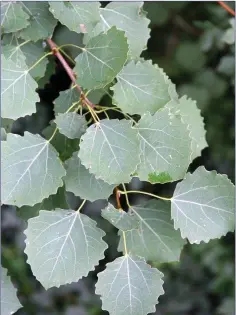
x: 129, y: 286
x: 18, y: 90
x: 141, y: 88
x: 63, y: 246
x: 65, y: 100
x: 229, y: 36
x: 20, y: 51
x: 72, y: 125
x: 51, y: 203
x: 78, y: 17
x: 13, y: 17
x: 31, y: 170
x: 127, y: 17
x: 191, y: 116
x: 110, y: 150
x: 155, y: 239
x: 119, y: 218
x: 80, y: 182
x: 101, y: 59
x: 64, y: 146
x: 42, y: 22
x: 9, y: 301
x: 165, y: 147
x: 202, y: 206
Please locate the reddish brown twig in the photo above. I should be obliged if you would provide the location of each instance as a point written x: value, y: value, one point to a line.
x: 69, y: 71
x: 226, y: 7
x: 118, y: 198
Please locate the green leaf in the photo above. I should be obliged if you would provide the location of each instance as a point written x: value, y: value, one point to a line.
x: 191, y: 116
x: 65, y: 100
x: 119, y: 218
x: 63, y: 36
x: 80, y: 182
x: 31, y: 170
x: 155, y: 239
x: 202, y: 206
x: 50, y: 70
x: 64, y: 146
x: 50, y: 203
x: 141, y: 88
x: 165, y: 147
x: 228, y: 36
x: 129, y: 18
x: 63, y: 246
x: 18, y: 50
x: 72, y: 125
x: 102, y: 59
x: 110, y: 150
x: 18, y: 90
x: 13, y: 17
x: 9, y: 301
x: 42, y: 22
x: 78, y: 17
x: 3, y: 134
x: 190, y: 57
x: 129, y: 285
x: 7, y: 124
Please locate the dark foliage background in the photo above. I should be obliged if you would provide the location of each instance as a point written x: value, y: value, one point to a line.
x: 185, y: 41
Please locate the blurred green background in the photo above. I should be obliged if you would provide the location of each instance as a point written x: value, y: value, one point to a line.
x: 187, y: 40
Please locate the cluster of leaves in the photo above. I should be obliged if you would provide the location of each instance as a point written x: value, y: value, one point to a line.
x: 157, y: 139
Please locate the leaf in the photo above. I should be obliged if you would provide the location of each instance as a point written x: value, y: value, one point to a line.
x: 81, y: 183
x: 18, y: 90
x: 50, y: 203
x: 110, y: 150
x: 191, y: 116
x: 42, y: 22
x: 9, y: 301
x: 140, y: 87
x: 72, y: 125
x: 18, y: 50
x: 7, y: 124
x: 78, y: 17
x: 165, y: 147
x: 63, y: 246
x: 62, y: 36
x: 202, y: 206
x: 119, y: 218
x: 31, y: 170
x: 129, y: 18
x: 129, y: 285
x: 3, y: 134
x: 102, y: 59
x: 228, y: 36
x: 65, y: 100
x: 64, y: 146
x: 50, y: 70
x: 13, y: 17
x: 155, y: 239
x: 72, y: 96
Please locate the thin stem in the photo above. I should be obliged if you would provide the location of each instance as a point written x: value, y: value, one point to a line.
x: 38, y: 61
x: 67, y: 56
x: 126, y: 196
x: 93, y: 114
x: 53, y: 135
x: 125, y: 246
x: 71, y: 45
x: 118, y: 198
x: 144, y: 193
x: 69, y: 71
x: 81, y: 206
x: 226, y: 7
